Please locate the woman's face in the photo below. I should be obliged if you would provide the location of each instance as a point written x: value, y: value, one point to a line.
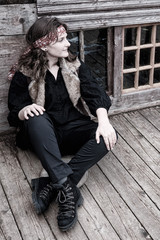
x: 60, y: 48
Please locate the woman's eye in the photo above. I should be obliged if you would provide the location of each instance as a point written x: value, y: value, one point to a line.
x: 61, y: 39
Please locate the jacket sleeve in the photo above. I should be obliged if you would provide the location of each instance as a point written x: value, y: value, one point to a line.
x: 18, y: 97
x: 94, y: 95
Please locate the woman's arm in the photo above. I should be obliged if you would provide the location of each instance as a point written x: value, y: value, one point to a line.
x: 18, y: 98
x: 94, y: 95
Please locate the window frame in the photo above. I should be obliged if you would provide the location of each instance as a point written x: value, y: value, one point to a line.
x: 139, y: 68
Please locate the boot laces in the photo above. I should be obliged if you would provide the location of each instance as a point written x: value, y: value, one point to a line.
x: 66, y: 202
x: 46, y: 193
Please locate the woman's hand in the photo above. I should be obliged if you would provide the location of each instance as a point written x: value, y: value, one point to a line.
x: 105, y: 129
x: 30, y: 110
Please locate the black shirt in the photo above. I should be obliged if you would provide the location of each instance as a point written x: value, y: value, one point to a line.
x: 57, y: 102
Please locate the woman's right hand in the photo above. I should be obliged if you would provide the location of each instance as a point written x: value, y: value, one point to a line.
x: 30, y: 110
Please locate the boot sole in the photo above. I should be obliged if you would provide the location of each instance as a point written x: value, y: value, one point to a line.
x: 69, y: 226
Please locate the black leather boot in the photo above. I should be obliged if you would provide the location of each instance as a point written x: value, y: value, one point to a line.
x: 69, y: 199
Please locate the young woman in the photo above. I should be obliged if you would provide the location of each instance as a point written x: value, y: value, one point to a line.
x: 59, y: 109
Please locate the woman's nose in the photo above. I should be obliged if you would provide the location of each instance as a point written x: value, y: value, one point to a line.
x: 68, y: 43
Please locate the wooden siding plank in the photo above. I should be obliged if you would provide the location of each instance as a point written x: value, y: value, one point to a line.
x: 89, y: 6
x: 139, y: 203
x: 92, y: 14
x: 10, y: 48
x: 111, y: 19
x: 16, y: 18
x: 133, y: 101
x: 18, y: 193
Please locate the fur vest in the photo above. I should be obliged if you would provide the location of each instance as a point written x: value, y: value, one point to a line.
x: 72, y: 82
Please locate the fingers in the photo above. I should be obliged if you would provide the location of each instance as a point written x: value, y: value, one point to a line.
x: 110, y: 139
x: 33, y: 110
x: 97, y: 137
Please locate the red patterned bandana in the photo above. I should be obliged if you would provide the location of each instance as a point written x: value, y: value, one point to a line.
x: 50, y: 37
x: 42, y: 42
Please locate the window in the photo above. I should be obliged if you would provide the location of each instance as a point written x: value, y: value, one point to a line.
x: 91, y: 46
x: 141, y: 57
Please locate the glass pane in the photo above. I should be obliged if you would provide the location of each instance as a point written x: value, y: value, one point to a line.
x: 73, y: 39
x: 156, y: 75
x: 157, y: 55
x: 145, y: 56
x: 144, y: 77
x: 129, y: 59
x: 128, y: 80
x: 95, y: 42
x: 158, y: 34
x: 146, y: 34
x: 130, y: 35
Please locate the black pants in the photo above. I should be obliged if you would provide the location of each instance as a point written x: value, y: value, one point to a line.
x: 50, y: 143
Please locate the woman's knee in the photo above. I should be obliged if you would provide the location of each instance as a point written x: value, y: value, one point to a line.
x: 37, y: 121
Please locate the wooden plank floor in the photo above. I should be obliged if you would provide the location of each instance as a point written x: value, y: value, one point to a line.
x: 121, y: 195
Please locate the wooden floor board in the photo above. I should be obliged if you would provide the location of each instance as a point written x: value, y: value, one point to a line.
x: 146, y: 128
x: 115, y: 209
x: 133, y: 195
x: 121, y: 195
x: 86, y: 223
x: 152, y: 115
x: 144, y: 149
x: 18, y: 193
x: 8, y: 225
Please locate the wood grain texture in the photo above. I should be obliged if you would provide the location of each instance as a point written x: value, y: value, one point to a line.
x: 15, y: 19
x: 130, y: 191
x: 91, y: 14
x: 18, y: 193
x: 121, y: 195
x: 68, y: 6
x: 10, y: 48
x: 87, y: 224
x: 7, y: 222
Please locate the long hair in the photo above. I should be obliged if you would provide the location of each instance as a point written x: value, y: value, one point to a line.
x: 34, y: 63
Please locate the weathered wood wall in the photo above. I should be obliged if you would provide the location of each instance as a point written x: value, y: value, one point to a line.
x: 15, y: 19
x: 14, y: 22
x: 82, y: 14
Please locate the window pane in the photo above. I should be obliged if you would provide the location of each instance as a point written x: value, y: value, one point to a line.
x: 128, y: 80
x: 73, y: 39
x: 95, y: 42
x: 129, y: 59
x: 145, y: 56
x: 157, y: 55
x: 158, y: 34
x: 156, y: 75
x: 146, y: 34
x: 144, y: 77
x: 130, y: 35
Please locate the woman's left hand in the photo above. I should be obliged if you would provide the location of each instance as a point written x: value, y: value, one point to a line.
x: 108, y: 133
x: 105, y: 129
